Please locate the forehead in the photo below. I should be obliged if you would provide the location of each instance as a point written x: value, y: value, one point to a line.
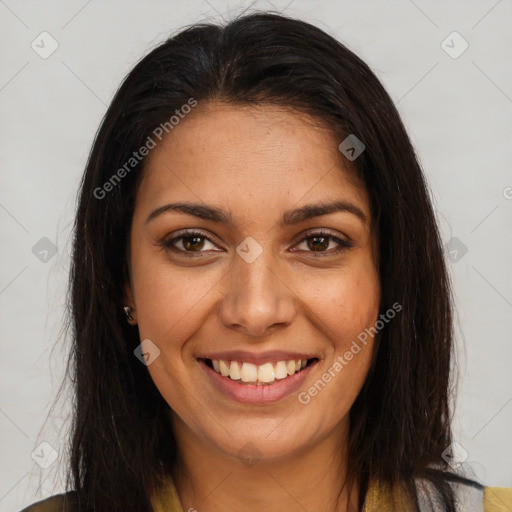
x: 236, y: 153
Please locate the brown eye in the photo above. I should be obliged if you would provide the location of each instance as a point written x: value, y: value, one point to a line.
x: 319, y: 243
x: 190, y: 243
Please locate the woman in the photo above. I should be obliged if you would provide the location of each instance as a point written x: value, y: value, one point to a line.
x: 261, y: 310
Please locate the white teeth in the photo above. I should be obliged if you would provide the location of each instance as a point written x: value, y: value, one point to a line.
x: 224, y: 370
x: 262, y: 374
x: 266, y: 373
x: 234, y: 371
x: 249, y: 372
x: 281, y: 372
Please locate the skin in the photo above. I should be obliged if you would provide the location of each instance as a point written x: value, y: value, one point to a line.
x: 256, y: 163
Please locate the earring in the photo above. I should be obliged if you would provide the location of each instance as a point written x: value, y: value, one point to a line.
x: 128, y: 313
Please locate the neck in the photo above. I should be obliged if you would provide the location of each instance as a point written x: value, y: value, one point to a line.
x: 312, y: 478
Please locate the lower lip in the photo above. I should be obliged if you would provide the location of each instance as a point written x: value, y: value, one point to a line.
x: 258, y: 395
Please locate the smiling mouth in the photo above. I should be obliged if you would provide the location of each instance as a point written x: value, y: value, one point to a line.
x: 258, y: 375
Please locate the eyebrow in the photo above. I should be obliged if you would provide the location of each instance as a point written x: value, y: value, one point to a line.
x: 289, y: 218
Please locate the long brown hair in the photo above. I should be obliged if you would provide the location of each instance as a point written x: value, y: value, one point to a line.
x: 122, y: 442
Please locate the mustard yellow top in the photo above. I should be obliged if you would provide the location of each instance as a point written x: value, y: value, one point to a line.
x: 378, y: 499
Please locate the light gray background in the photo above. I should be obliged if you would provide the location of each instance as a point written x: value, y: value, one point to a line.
x: 458, y: 112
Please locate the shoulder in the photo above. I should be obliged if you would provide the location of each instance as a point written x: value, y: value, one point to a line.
x: 473, y: 496
x: 64, y: 502
x: 497, y: 499
x: 470, y: 496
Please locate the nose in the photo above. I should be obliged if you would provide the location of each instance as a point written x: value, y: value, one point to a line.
x: 258, y: 300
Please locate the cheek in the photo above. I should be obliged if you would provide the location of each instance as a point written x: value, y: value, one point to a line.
x: 344, y: 302
x: 345, y: 307
x: 170, y: 308
x: 167, y: 297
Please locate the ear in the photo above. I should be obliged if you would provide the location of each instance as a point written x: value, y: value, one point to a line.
x: 129, y: 301
x: 128, y: 296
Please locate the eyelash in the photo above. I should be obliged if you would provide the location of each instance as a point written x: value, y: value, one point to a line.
x: 343, y: 244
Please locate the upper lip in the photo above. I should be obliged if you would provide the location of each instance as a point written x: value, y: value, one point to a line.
x: 257, y: 358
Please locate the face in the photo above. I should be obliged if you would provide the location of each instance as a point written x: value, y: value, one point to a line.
x: 250, y: 281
